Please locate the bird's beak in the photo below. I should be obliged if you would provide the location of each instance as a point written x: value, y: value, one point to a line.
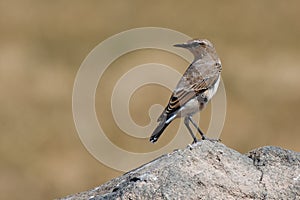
x: 184, y: 45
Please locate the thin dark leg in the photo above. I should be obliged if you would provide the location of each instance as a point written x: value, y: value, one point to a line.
x: 197, y: 127
x: 201, y: 133
x: 186, y: 122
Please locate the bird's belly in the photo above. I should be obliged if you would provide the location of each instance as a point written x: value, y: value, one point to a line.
x: 197, y: 104
x: 190, y: 108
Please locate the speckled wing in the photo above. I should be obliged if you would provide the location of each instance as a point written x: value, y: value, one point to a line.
x: 197, y: 79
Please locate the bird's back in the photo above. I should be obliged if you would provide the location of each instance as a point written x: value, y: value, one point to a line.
x: 199, y: 77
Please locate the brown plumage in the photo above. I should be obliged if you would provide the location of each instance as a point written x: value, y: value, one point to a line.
x: 196, y: 87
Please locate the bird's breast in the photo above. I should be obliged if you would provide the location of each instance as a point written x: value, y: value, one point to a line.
x: 212, y: 90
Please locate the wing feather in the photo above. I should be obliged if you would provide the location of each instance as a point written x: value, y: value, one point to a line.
x: 191, y: 84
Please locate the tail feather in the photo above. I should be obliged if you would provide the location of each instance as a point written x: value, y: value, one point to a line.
x: 158, y: 131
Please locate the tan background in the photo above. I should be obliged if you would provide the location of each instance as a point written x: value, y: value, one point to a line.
x: 44, y: 43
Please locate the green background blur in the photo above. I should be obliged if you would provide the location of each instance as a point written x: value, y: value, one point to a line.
x: 42, y: 45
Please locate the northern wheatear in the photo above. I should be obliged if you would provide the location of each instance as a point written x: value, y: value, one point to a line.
x: 197, y: 86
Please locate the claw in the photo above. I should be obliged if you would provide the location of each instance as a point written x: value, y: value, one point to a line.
x: 210, y: 139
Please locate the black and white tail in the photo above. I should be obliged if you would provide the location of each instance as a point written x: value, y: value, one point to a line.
x: 158, y: 131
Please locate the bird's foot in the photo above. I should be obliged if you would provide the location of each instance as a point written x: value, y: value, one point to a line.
x: 210, y: 139
x: 194, y: 143
x: 190, y: 146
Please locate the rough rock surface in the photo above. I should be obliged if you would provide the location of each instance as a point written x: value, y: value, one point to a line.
x: 208, y: 170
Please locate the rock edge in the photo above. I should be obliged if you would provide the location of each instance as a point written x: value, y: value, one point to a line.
x: 208, y: 170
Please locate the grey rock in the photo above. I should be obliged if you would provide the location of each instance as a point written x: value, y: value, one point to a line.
x: 208, y: 170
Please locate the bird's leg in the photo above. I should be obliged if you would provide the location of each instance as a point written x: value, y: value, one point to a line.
x: 199, y: 130
x: 186, y: 122
x: 197, y: 127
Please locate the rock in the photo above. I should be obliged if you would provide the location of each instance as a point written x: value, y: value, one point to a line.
x: 208, y: 170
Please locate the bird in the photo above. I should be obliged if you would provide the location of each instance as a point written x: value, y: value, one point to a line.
x: 197, y: 86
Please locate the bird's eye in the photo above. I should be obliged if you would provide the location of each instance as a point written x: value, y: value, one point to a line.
x: 202, y: 43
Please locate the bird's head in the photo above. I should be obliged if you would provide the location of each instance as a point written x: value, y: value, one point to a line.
x: 196, y: 43
x: 198, y: 47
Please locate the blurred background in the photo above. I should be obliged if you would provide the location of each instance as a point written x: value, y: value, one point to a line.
x: 44, y: 42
